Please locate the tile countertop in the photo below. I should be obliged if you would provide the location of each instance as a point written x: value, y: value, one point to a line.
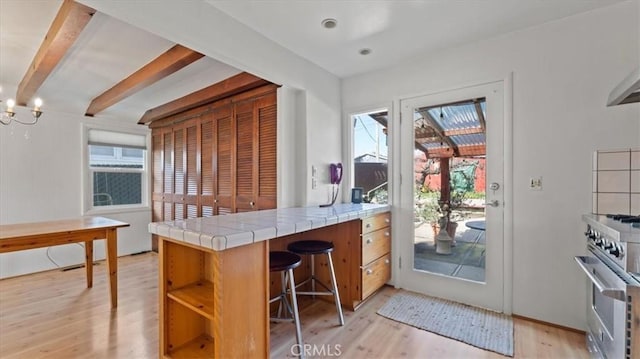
x: 233, y: 230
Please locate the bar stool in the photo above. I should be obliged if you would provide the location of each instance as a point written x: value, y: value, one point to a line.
x: 311, y: 248
x: 285, y: 262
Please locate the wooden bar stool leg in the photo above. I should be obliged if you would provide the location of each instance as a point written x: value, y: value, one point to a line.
x: 334, y: 284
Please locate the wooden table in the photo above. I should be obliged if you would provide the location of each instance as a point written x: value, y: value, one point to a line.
x: 17, y: 237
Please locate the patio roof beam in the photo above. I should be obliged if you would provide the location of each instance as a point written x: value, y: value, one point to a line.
x: 438, y: 130
x: 481, y: 119
x: 463, y: 131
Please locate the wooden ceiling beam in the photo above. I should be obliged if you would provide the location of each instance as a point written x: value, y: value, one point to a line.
x: 233, y: 85
x: 162, y: 66
x: 63, y: 32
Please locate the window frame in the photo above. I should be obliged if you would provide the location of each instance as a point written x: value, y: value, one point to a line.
x: 88, y: 173
x: 348, y: 147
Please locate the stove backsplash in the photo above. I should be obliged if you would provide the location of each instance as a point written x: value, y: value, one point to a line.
x: 616, y: 181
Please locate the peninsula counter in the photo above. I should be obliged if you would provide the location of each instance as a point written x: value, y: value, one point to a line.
x: 214, y: 272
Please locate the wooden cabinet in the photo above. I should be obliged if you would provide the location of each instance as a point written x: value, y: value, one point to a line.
x: 213, y: 304
x: 216, y: 159
x: 361, y: 257
x: 375, y: 258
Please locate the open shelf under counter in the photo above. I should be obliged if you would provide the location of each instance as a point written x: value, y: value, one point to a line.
x: 196, y: 296
x: 200, y: 347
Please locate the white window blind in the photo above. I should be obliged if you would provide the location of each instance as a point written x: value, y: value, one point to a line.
x: 110, y: 138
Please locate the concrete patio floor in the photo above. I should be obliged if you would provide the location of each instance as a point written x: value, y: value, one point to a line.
x: 467, y: 258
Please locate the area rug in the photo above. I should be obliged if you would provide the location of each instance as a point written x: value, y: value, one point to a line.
x: 475, y: 326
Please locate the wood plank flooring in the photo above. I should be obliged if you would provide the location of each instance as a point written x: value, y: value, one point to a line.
x: 53, y: 315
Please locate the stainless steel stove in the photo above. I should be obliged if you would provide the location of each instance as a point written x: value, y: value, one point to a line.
x: 613, y: 268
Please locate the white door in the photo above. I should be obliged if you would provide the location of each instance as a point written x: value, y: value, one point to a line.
x: 481, y: 220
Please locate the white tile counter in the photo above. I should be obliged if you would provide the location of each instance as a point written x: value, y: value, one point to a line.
x: 232, y: 230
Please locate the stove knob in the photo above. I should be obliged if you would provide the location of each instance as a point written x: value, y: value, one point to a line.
x: 599, y: 242
x: 608, y: 245
x: 615, y: 251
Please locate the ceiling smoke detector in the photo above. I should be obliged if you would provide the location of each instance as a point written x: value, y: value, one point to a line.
x: 364, y: 51
x: 329, y: 23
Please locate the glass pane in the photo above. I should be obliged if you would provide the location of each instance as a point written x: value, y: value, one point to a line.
x: 116, y: 188
x: 115, y: 157
x: 133, y: 152
x: 370, y: 155
x: 449, y: 192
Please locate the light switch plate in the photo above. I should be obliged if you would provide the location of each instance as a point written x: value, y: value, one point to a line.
x: 535, y: 183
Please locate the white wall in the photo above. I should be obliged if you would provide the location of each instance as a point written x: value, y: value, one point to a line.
x: 563, y: 72
x: 221, y: 37
x: 41, y: 180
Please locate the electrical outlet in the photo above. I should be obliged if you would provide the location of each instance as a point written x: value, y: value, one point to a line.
x: 314, y: 181
x: 535, y: 183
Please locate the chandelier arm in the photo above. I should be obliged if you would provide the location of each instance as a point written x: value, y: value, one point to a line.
x: 26, y: 123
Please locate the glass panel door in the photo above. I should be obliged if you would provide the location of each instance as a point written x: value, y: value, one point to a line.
x: 451, y: 146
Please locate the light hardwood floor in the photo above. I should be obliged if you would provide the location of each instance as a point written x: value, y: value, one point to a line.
x: 53, y: 315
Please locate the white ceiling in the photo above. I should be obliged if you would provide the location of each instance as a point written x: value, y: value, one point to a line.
x: 393, y: 30
x: 109, y: 50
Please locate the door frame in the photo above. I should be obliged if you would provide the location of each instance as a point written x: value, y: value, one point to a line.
x: 508, y: 184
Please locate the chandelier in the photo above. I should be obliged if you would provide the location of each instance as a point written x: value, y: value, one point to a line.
x: 9, y: 113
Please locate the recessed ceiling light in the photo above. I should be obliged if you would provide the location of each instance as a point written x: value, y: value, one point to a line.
x: 364, y: 51
x: 329, y: 23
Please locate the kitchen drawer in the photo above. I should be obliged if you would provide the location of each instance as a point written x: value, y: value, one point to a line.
x: 375, y: 275
x: 375, y: 244
x: 376, y: 222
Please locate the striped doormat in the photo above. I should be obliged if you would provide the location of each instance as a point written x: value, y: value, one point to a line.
x: 475, y: 326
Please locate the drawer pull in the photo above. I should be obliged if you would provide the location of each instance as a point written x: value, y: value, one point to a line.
x: 368, y: 225
x: 369, y: 271
x: 386, y: 261
x: 386, y: 234
x: 369, y: 240
x: 387, y: 220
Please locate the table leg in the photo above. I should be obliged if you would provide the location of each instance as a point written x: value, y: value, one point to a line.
x: 88, y: 262
x: 111, y: 248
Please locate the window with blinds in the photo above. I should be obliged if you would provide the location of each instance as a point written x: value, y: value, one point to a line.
x: 117, y: 171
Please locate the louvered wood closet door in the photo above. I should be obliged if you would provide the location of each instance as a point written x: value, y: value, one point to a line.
x: 245, y: 163
x: 207, y: 181
x: 168, y: 174
x: 158, y: 175
x: 224, y: 173
x: 266, y: 152
x: 191, y: 169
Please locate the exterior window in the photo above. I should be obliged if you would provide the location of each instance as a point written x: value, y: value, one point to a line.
x: 370, y: 155
x: 117, y: 169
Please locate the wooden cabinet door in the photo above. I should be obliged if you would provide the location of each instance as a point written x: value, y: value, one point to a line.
x: 223, y: 160
x: 266, y: 152
x: 245, y: 159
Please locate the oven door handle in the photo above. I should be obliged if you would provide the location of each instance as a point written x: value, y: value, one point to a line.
x: 604, y: 290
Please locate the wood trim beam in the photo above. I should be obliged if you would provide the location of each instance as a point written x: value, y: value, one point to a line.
x: 229, y: 87
x: 65, y: 29
x: 162, y: 66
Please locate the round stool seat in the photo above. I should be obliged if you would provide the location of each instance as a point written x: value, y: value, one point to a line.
x: 281, y: 261
x: 310, y: 247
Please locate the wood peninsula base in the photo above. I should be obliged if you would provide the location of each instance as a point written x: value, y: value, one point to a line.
x: 215, y: 303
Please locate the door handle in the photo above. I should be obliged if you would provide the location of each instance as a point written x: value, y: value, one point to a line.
x: 494, y: 203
